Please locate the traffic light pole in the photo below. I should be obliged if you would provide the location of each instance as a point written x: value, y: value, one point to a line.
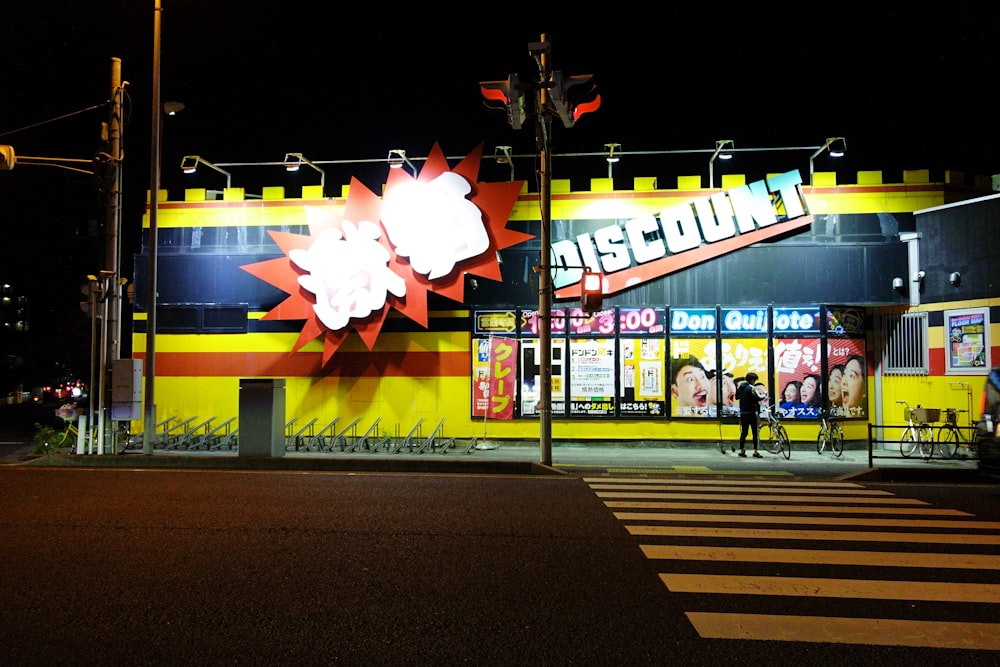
x: 554, y: 94
x: 545, y: 273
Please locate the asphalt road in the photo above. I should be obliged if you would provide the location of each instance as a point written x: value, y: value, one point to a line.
x: 153, y: 567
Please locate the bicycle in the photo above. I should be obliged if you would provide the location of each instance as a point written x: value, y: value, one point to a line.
x: 775, y: 439
x: 950, y: 437
x: 831, y: 434
x: 918, y: 433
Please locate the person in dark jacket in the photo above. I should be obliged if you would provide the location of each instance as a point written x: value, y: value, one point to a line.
x: 749, y: 400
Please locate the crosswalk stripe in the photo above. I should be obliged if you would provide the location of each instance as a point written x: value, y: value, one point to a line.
x: 926, y: 591
x: 810, y: 520
x: 874, y: 631
x: 753, y: 499
x: 731, y: 482
x: 842, y: 535
x: 729, y: 507
x: 821, y: 557
x: 748, y: 491
x: 677, y: 509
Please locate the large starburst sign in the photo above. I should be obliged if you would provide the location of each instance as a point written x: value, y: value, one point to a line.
x: 421, y: 236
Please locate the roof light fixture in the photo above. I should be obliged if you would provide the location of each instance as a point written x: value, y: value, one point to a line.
x: 503, y: 155
x: 173, y: 108
x: 724, y: 149
x: 837, y: 146
x: 397, y: 158
x: 189, y: 165
x: 613, y: 152
x: 295, y: 160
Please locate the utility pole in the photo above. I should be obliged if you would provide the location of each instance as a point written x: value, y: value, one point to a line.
x: 111, y: 300
x: 552, y: 98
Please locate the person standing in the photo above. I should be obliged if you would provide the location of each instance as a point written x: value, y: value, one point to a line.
x: 749, y: 400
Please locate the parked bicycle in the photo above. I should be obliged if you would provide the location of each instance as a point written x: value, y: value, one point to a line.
x: 773, y: 436
x: 918, y: 434
x: 831, y: 434
x: 952, y: 440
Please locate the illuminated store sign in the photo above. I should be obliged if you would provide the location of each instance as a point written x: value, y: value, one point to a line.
x: 744, y: 320
x: 796, y: 320
x: 692, y: 320
x: 650, y: 247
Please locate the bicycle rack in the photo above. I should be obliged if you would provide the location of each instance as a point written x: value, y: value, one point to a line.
x: 428, y: 444
x: 231, y: 441
x: 407, y: 441
x: 368, y: 441
x: 469, y: 448
x: 293, y: 442
x: 185, y: 440
x: 341, y: 437
x: 315, y: 443
x: 138, y: 439
x: 210, y: 435
x: 171, y: 435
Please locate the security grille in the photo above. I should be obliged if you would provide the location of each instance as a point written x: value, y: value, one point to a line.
x: 904, y: 344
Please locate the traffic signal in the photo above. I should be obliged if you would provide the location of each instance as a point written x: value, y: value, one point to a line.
x: 591, y: 292
x: 510, y: 94
x: 573, y: 96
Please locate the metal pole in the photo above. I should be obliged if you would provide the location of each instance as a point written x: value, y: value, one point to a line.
x: 545, y: 275
x: 92, y: 301
x: 109, y: 276
x: 114, y: 209
x: 103, y: 383
x: 149, y: 417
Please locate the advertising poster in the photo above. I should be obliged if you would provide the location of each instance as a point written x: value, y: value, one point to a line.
x: 738, y: 356
x: 642, y: 392
x: 488, y: 325
x: 847, y: 379
x: 531, y: 377
x: 798, y: 372
x: 968, y: 347
x: 695, y: 388
x: 494, y: 373
x: 480, y: 376
x: 592, y: 376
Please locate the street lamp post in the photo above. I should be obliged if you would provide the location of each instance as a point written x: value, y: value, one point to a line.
x: 149, y: 412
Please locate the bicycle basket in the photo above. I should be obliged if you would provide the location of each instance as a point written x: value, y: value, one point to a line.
x: 926, y: 414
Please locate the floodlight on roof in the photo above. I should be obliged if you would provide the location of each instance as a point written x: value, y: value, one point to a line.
x: 295, y: 160
x: 189, y: 165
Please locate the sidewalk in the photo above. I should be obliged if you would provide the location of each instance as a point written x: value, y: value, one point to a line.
x: 524, y: 457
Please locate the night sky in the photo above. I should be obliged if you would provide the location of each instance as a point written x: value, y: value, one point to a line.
x: 908, y: 87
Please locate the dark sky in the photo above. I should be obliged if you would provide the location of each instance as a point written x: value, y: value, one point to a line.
x: 908, y: 87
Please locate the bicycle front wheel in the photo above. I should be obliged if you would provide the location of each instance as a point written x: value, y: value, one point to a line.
x: 947, y: 441
x: 784, y: 443
x: 837, y: 439
x: 925, y: 436
x: 908, y: 443
x: 821, y: 441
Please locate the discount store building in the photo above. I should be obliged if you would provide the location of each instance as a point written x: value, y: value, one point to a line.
x: 420, y: 304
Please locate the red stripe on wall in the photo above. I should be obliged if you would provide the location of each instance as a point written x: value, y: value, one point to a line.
x: 307, y: 364
x: 936, y: 358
